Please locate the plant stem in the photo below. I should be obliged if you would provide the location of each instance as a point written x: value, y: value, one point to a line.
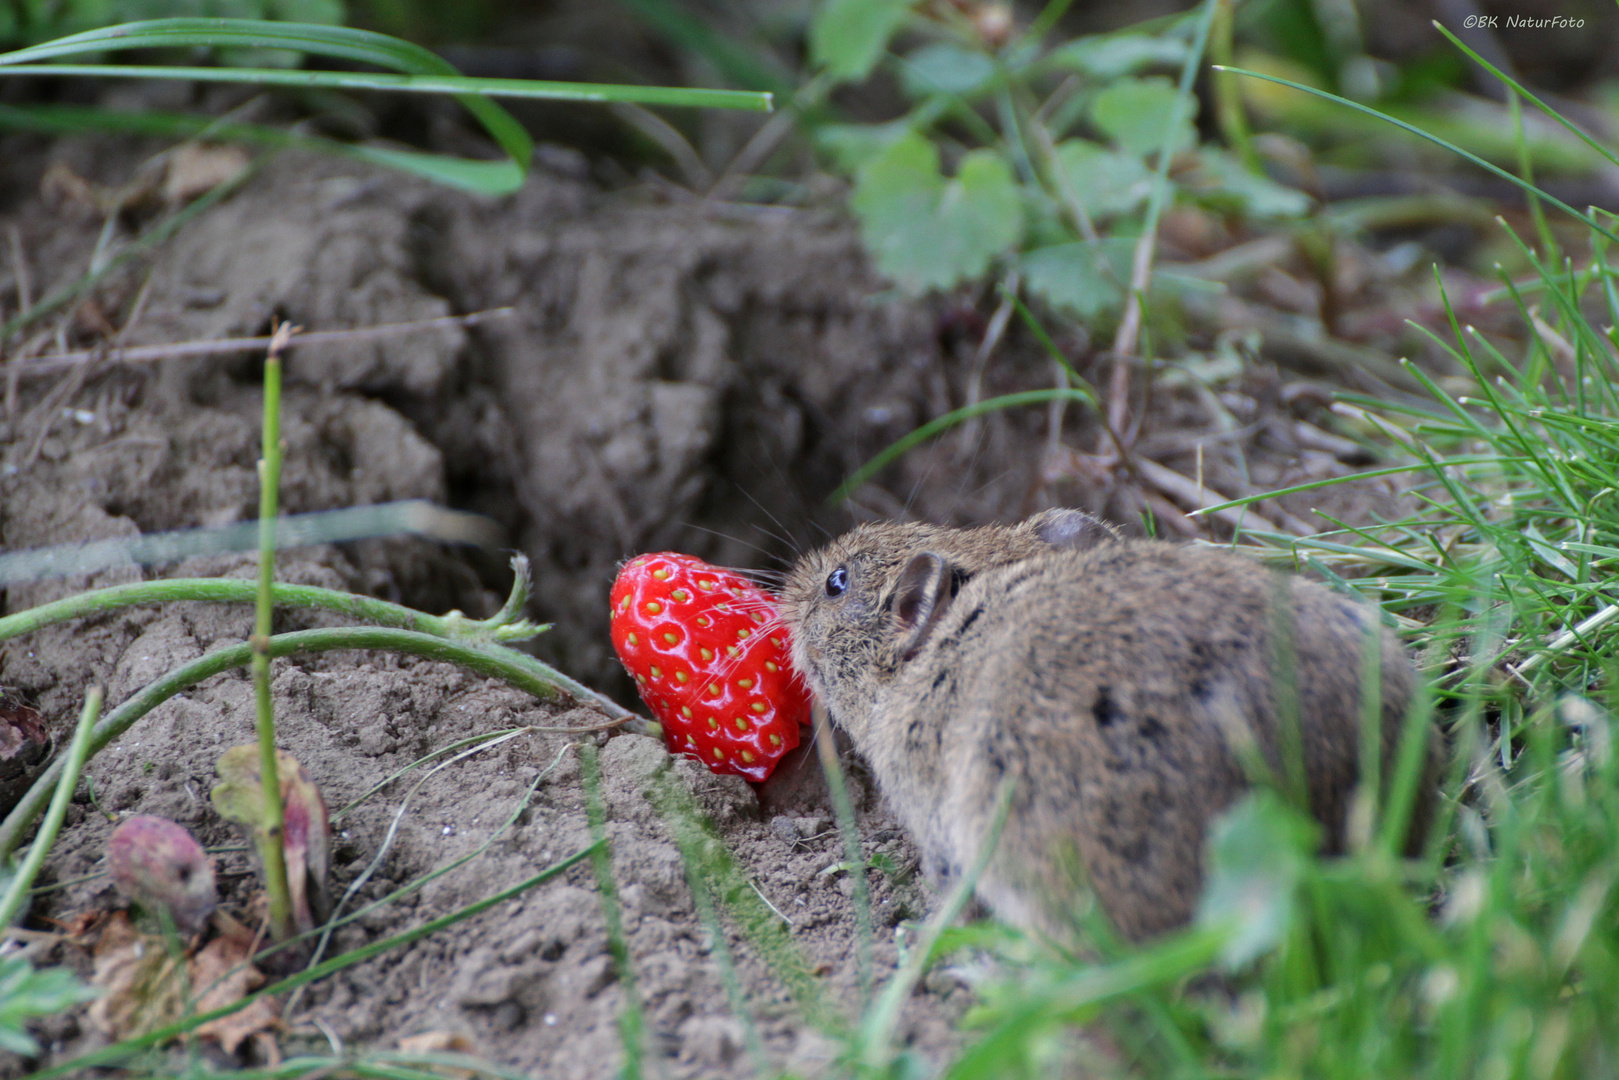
x: 877, y: 1029
x: 1125, y: 341
x: 843, y: 808
x: 237, y: 591
x: 78, y: 752
x: 269, y: 834
x: 1228, y: 107
x: 495, y: 661
x: 905, y: 442
x: 629, y: 1019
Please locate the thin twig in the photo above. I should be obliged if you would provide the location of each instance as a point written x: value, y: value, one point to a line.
x: 1185, y: 490
x: 767, y: 138
x: 41, y: 365
x: 754, y: 885
x: 986, y: 348
x: 19, y: 269
x: 697, y: 175
x: 1567, y: 638
x: 1126, y: 340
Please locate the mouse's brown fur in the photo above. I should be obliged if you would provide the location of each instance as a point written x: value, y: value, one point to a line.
x: 1113, y: 682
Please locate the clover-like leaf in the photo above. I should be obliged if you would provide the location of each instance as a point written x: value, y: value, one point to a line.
x: 852, y: 145
x: 1105, y: 182
x: 848, y: 37
x: 927, y: 232
x: 1111, y: 56
x: 944, y: 68
x: 1222, y: 181
x: 26, y: 992
x: 1137, y: 114
x: 1085, y: 278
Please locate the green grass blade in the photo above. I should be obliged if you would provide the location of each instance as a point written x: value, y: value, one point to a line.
x: 630, y: 1024
x: 1332, y: 481
x: 478, y: 177
x: 360, y: 46
x: 458, y: 85
x: 1436, y: 140
x: 1518, y: 89
x: 915, y: 438
x: 423, y: 72
x: 78, y: 752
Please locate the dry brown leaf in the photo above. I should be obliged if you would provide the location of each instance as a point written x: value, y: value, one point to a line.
x: 140, y: 980
x: 196, y: 170
x: 146, y: 988
x: 223, y: 975
x: 440, y: 1042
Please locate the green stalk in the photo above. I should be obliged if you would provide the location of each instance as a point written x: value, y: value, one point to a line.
x: 629, y: 1021
x: 877, y: 1030
x: 534, y: 89
x: 704, y: 878
x: 237, y: 591
x: 494, y: 661
x: 77, y: 753
x: 1586, y: 219
x: 843, y: 807
x: 268, y: 836
x: 1228, y: 109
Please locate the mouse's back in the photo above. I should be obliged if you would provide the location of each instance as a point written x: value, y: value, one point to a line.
x: 1115, y: 687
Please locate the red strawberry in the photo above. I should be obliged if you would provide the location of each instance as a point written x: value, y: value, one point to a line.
x: 710, y: 657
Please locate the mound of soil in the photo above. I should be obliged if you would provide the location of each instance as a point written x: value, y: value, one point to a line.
x: 664, y: 361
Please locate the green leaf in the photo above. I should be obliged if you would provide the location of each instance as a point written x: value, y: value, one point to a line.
x: 327, y: 12
x: 1105, y: 182
x: 945, y: 69
x: 1085, y: 278
x: 929, y: 233
x: 1220, y: 179
x: 425, y: 72
x: 852, y: 145
x: 239, y: 795
x: 1258, y: 853
x: 1138, y: 113
x: 1116, y: 55
x: 848, y: 37
x: 26, y: 992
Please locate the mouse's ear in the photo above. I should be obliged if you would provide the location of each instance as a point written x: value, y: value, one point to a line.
x: 920, y: 601
x: 1071, y: 529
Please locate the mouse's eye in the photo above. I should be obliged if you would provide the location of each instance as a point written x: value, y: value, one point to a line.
x: 837, y: 582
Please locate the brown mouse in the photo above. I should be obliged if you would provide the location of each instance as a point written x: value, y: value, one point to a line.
x: 1114, y: 682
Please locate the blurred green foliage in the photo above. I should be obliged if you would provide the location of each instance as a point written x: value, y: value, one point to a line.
x: 1018, y: 155
x: 27, y: 22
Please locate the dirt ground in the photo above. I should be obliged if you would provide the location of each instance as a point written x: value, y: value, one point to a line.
x: 675, y: 375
